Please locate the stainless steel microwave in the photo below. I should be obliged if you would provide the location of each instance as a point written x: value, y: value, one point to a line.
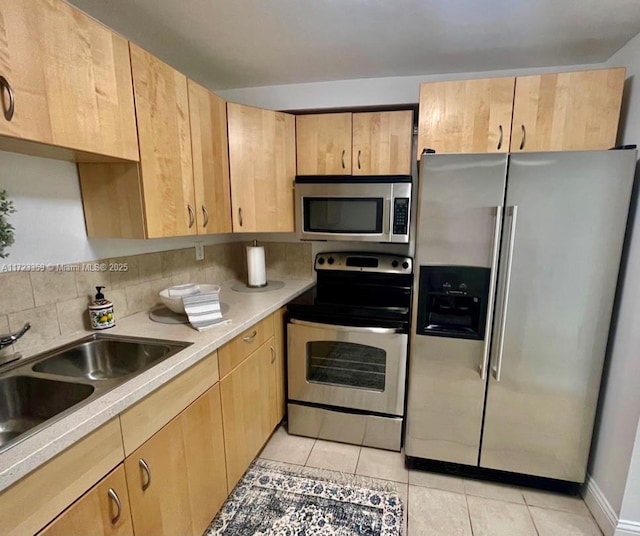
x: 362, y: 208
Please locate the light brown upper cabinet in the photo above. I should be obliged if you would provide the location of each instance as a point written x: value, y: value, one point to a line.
x: 466, y: 116
x: 551, y: 112
x: 262, y: 168
x: 208, y: 114
x: 323, y: 144
x: 181, y: 185
x: 371, y: 143
x: 66, y: 84
x: 567, y: 111
x: 382, y: 143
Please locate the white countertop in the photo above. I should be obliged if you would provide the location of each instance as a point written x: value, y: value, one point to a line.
x: 245, y: 309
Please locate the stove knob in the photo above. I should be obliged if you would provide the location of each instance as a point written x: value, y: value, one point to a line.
x: 330, y: 260
x: 405, y: 265
x: 394, y: 264
x: 321, y: 261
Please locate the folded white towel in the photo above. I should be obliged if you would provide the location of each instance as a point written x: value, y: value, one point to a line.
x: 183, y: 290
x: 203, y: 310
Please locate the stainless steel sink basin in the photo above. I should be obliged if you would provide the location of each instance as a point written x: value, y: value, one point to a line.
x: 36, y: 391
x: 103, y: 359
x: 26, y: 402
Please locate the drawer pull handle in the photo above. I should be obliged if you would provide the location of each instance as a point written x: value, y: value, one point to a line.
x: 114, y: 497
x: 524, y: 137
x: 359, y: 151
x: 240, y: 216
x: 249, y: 338
x: 145, y: 467
x: 273, y: 355
x: 500, y: 139
x: 5, y: 86
x: 344, y: 151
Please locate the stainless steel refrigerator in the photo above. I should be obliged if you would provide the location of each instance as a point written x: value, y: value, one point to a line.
x: 516, y: 266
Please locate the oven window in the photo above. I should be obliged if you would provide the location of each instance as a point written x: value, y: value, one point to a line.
x: 347, y: 364
x: 361, y: 215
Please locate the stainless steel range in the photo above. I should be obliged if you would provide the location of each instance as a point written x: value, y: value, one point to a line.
x: 347, y: 350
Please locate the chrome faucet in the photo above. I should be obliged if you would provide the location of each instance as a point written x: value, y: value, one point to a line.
x: 9, y: 339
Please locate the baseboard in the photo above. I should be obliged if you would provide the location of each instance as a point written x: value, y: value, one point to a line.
x: 599, y: 506
x: 627, y: 528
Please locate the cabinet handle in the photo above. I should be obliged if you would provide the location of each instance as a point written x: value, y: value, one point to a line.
x: 192, y: 216
x: 114, y: 497
x: 524, y: 137
x: 205, y: 213
x: 8, y: 112
x: 249, y: 338
x: 359, y: 151
x: 273, y: 354
x: 145, y: 467
x: 240, y: 216
x: 499, y: 139
x: 344, y: 151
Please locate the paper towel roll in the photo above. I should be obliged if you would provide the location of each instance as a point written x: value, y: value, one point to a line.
x: 256, y: 267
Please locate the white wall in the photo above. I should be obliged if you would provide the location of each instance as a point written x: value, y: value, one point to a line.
x: 49, y: 221
x: 613, y: 447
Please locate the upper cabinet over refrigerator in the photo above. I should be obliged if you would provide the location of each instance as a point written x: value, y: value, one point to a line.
x: 516, y: 271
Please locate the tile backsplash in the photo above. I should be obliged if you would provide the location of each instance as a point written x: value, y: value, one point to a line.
x: 55, y: 301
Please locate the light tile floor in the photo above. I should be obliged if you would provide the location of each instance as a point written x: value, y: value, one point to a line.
x: 441, y: 505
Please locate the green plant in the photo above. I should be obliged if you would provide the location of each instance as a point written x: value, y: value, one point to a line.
x: 6, y: 229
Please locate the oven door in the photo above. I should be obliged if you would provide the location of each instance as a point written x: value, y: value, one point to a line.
x: 357, y: 368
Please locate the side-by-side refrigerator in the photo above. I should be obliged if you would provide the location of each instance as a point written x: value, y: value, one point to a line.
x: 517, y: 260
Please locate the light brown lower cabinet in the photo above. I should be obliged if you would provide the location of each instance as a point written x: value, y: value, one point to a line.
x: 177, y: 479
x: 102, y: 511
x: 249, y: 408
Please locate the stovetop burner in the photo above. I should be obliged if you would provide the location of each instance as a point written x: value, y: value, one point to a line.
x: 358, y: 289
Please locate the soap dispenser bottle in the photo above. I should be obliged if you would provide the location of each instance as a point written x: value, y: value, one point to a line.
x: 101, y: 312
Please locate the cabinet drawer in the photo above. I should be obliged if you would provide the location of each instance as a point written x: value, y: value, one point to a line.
x: 145, y: 418
x: 236, y: 351
x: 35, y: 500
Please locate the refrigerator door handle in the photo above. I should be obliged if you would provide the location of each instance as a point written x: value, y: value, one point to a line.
x: 497, y: 369
x: 495, y: 252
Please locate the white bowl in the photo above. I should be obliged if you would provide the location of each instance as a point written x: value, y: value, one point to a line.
x: 175, y: 302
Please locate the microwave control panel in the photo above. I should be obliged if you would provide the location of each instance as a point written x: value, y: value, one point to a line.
x: 401, y: 215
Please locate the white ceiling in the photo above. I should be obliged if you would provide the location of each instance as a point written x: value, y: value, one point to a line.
x: 248, y: 43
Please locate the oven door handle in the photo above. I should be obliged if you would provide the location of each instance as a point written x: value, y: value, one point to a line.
x: 333, y: 327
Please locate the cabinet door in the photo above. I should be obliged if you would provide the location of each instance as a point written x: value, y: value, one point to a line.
x: 71, y: 80
x: 162, y: 110
x: 208, y: 114
x: 248, y: 409
x: 466, y: 116
x: 382, y: 143
x: 102, y: 511
x: 323, y: 144
x: 262, y: 168
x: 567, y: 111
x: 184, y: 482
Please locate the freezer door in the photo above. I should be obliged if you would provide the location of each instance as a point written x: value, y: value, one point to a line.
x: 461, y: 199
x: 565, y: 218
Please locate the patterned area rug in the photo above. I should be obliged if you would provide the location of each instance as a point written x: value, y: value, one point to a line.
x: 288, y: 500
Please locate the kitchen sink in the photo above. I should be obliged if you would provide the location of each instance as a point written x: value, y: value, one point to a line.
x: 26, y: 402
x: 102, y: 359
x: 37, y: 391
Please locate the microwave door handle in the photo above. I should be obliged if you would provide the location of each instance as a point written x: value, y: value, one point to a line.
x: 333, y: 327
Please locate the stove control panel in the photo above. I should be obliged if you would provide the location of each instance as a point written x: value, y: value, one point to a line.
x: 364, y: 262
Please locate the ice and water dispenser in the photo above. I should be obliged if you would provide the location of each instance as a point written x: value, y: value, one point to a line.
x: 452, y: 301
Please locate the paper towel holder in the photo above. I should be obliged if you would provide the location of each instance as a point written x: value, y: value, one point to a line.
x: 256, y: 266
